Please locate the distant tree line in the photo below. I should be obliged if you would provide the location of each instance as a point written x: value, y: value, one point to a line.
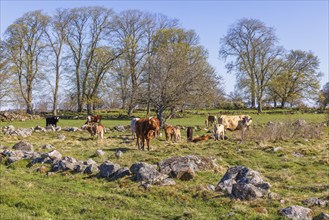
x: 92, y: 57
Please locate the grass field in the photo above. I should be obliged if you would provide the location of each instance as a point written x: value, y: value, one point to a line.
x: 27, y: 194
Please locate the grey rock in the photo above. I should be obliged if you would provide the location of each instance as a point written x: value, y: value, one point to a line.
x: 13, y: 159
x: 322, y: 216
x: 91, y: 169
x: 184, y: 167
x: 118, y: 154
x: 23, y: 146
x: 66, y: 163
x: 122, y: 172
x: 147, y: 173
x: 243, y: 183
x: 99, y: 153
x: 80, y: 167
x: 107, y: 169
x: 297, y: 213
x: 314, y: 201
x: 39, y: 129
x: 47, y: 147
x: 50, y: 128
x: 58, y: 128
x: 120, y: 128
x: 89, y: 162
x: 54, y: 155
x: 61, y: 137
x: 71, y: 129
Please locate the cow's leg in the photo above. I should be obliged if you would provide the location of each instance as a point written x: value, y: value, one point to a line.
x: 148, y: 144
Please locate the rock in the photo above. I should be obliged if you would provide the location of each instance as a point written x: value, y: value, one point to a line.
x: 50, y: 128
x: 91, y: 169
x: 47, y: 147
x: 89, y: 162
x: 66, y: 163
x: 23, y: 146
x: 322, y: 216
x: 61, y: 137
x: 80, y: 167
x: 300, y: 123
x: 184, y: 167
x: 120, y: 128
x: 118, y: 154
x: 147, y: 173
x: 274, y: 196
x: 54, y: 155
x: 58, y: 128
x: 297, y: 213
x: 39, y: 129
x: 13, y: 159
x: 296, y: 154
x: 276, y: 149
x: 107, y: 169
x: 315, y: 202
x: 71, y: 129
x: 122, y: 172
x: 99, y: 153
x: 243, y: 183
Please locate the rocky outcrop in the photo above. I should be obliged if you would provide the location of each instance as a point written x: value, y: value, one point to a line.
x: 22, y: 145
x: 297, y: 213
x: 22, y: 132
x: 184, y: 167
x: 314, y: 201
x: 243, y: 183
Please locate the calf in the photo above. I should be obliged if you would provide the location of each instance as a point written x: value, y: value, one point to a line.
x: 96, y: 130
x: 177, y: 134
x: 201, y: 138
x: 219, y: 131
x: 211, y: 120
x: 169, y: 132
x: 52, y: 120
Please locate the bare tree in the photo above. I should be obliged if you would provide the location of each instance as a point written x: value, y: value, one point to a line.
x: 5, y: 75
x: 131, y: 36
x: 298, y: 77
x: 25, y: 45
x: 252, y: 44
x: 56, y: 38
x: 180, y: 72
x: 86, y: 31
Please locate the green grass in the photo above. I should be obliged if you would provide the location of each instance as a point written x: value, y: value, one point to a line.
x: 27, y: 194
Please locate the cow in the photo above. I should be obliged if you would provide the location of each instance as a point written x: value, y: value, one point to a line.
x: 52, y: 120
x: 211, y: 120
x: 145, y: 129
x: 93, y: 119
x: 202, y: 138
x: 157, y: 131
x: 219, y: 131
x: 236, y: 122
x: 169, y: 132
x: 177, y: 134
x: 95, y: 130
x: 133, y: 127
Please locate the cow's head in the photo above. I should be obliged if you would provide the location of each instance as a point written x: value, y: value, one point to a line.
x: 247, y: 120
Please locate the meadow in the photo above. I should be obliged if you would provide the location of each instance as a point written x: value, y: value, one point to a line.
x: 27, y: 194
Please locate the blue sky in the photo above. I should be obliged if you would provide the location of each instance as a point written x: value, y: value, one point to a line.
x: 299, y: 24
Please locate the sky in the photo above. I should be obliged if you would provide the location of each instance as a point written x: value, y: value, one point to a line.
x: 300, y: 25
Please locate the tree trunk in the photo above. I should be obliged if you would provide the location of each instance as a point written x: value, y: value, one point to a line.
x: 253, y: 92
x: 159, y: 112
x: 89, y: 108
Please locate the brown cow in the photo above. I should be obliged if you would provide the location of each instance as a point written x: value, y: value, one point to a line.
x: 202, y: 138
x: 145, y: 128
x: 93, y: 119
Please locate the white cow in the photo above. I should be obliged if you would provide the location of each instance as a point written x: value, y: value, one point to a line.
x: 133, y: 127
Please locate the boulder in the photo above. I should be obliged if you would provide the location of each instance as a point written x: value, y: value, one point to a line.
x: 107, y: 169
x: 89, y: 162
x: 23, y: 146
x: 50, y: 128
x: 47, y: 147
x: 184, y: 167
x: 71, y: 129
x: 314, y: 201
x: 147, y: 173
x: 54, y: 155
x: 39, y: 129
x: 118, y: 154
x: 297, y: 213
x: 122, y: 172
x: 322, y: 216
x: 66, y: 163
x: 91, y: 169
x: 243, y: 183
x: 80, y: 167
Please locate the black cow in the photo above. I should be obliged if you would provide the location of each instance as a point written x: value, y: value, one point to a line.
x: 52, y: 120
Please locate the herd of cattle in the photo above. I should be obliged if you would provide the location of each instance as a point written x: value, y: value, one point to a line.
x: 144, y: 129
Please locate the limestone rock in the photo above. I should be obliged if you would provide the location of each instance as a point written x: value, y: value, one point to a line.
x: 23, y: 146
x: 297, y: 213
